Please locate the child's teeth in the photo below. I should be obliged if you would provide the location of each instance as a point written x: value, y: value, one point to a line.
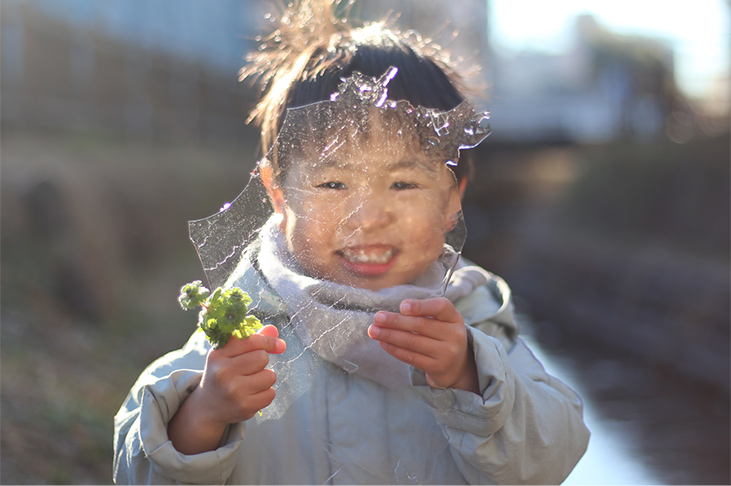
x: 360, y: 256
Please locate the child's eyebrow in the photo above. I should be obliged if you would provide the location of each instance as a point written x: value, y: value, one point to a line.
x: 411, y: 163
x: 326, y: 163
x: 404, y: 163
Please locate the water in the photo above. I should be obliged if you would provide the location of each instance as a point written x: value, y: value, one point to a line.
x: 611, y: 457
x: 648, y: 425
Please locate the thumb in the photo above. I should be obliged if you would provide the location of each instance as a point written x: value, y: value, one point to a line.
x: 269, y: 331
x: 272, y: 343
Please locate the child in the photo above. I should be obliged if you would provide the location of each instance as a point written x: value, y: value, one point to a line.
x: 374, y: 366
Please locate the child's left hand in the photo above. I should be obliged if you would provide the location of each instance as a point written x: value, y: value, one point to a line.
x: 431, y: 336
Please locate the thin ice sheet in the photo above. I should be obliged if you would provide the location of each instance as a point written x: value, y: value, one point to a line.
x: 354, y: 209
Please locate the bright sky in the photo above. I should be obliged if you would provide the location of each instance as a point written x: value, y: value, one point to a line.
x: 698, y: 31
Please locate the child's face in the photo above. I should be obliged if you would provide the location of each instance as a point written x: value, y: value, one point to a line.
x: 371, y: 214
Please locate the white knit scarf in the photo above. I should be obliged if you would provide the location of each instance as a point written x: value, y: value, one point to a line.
x: 333, y: 319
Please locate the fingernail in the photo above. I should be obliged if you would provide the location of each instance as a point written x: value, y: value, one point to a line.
x: 405, y: 307
x: 379, y: 317
x: 374, y: 331
x: 280, y: 346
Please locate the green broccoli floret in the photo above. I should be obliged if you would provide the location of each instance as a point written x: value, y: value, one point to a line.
x: 224, y: 313
x: 192, y: 295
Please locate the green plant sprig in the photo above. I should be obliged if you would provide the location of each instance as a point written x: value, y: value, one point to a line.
x: 224, y: 313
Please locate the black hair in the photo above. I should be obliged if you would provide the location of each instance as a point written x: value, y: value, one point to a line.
x: 310, y: 51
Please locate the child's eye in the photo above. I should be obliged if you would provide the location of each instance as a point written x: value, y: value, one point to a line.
x: 400, y: 186
x: 333, y: 185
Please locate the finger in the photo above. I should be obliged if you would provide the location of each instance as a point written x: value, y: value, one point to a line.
x: 269, y: 335
x: 245, y: 406
x: 438, y: 308
x: 260, y: 381
x: 261, y: 400
x: 426, y: 326
x: 408, y: 356
x: 410, y: 341
x: 251, y: 362
x: 269, y: 330
x: 270, y: 344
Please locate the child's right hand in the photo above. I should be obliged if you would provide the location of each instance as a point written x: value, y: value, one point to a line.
x: 236, y: 384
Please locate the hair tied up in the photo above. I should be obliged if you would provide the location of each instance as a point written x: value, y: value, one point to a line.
x: 293, y: 35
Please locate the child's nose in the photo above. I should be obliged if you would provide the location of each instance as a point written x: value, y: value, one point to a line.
x: 369, y: 214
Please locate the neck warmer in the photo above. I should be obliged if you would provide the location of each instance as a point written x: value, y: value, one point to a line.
x: 333, y: 319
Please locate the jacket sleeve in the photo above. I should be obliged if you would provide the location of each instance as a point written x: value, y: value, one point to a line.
x: 143, y: 453
x: 525, y: 428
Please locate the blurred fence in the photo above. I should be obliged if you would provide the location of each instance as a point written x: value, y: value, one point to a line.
x: 61, y: 76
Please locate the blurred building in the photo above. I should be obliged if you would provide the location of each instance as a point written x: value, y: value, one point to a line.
x: 459, y: 27
x: 135, y: 68
x: 168, y: 69
x: 162, y: 70
x: 606, y: 87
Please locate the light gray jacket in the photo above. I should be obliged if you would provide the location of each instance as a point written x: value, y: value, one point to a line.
x: 525, y: 428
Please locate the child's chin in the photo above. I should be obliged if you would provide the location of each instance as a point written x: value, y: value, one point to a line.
x: 375, y: 283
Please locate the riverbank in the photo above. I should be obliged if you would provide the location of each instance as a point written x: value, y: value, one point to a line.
x: 619, y: 258
x: 95, y: 248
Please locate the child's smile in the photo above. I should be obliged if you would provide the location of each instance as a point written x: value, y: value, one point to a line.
x: 369, y: 260
x: 371, y: 214
x: 368, y: 254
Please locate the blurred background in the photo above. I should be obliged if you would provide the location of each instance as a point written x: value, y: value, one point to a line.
x: 602, y: 197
